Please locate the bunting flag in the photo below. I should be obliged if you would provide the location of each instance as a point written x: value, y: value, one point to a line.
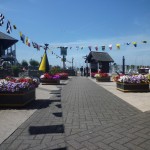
x: 29, y: 43
x: 8, y: 28
x: 26, y: 40
x: 35, y: 45
x: 22, y: 37
x: 44, y: 65
x: 96, y: 48
x: 118, y: 46
x: 103, y: 48
x: 110, y: 46
x: 1, y: 19
x: 128, y: 43
x: 77, y: 47
x: 144, y: 41
x: 90, y: 48
x: 135, y: 44
x: 14, y: 26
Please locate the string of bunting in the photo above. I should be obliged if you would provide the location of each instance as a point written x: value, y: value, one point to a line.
x: 37, y: 46
x: 25, y: 40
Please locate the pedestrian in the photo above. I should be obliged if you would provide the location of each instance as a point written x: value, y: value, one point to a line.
x: 81, y: 70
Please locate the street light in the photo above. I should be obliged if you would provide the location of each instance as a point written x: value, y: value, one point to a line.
x: 85, y: 57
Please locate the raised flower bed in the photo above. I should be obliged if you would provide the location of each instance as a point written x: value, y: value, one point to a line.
x: 17, y: 92
x: 63, y: 75
x: 49, y: 79
x: 102, y: 77
x: 134, y: 83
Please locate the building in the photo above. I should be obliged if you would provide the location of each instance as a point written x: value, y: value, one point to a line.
x: 99, y: 61
x: 7, y: 48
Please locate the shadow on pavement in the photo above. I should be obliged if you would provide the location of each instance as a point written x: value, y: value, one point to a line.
x: 34, y: 130
x: 57, y: 114
x: 58, y: 105
x: 60, y: 148
x: 36, y: 104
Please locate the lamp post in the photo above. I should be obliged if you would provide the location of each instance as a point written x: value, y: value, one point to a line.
x: 85, y: 57
x: 123, y: 65
x: 72, y: 62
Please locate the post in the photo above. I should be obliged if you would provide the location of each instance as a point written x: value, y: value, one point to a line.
x: 64, y: 62
x: 72, y: 62
x: 123, y: 65
x: 86, y: 67
x: 98, y: 67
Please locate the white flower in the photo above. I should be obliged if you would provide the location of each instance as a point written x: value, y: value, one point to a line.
x: 42, y: 76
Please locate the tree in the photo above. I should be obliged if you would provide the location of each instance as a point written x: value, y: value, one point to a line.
x: 34, y: 63
x: 132, y: 67
x: 24, y: 63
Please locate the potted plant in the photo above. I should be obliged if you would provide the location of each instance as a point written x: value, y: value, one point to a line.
x: 17, y: 91
x: 102, y: 77
x: 133, y: 83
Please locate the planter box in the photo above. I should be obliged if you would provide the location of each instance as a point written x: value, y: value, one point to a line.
x: 103, y: 79
x: 125, y: 87
x: 16, y: 99
x: 63, y: 78
x: 50, y: 81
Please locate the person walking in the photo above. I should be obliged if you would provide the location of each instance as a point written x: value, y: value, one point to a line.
x: 81, y: 70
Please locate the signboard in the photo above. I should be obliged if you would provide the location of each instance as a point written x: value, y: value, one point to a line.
x: 63, y: 51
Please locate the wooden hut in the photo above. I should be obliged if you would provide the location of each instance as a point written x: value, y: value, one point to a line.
x: 99, y: 61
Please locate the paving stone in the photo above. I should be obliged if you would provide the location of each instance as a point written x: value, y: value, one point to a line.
x: 82, y: 116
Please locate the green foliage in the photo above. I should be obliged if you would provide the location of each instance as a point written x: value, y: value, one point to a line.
x: 24, y: 63
x: 16, y: 70
x: 34, y: 63
x: 55, y: 69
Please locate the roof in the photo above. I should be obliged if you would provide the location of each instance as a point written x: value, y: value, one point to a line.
x: 99, y: 56
x: 6, y: 41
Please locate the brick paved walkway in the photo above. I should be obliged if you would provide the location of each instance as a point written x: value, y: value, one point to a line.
x: 82, y: 116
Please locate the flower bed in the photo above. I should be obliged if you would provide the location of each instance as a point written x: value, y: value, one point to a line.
x: 133, y: 83
x: 102, y: 77
x: 63, y: 75
x: 126, y: 87
x: 49, y: 79
x: 17, y: 92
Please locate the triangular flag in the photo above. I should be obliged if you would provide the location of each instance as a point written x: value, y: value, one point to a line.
x: 44, y: 65
x: 118, y: 46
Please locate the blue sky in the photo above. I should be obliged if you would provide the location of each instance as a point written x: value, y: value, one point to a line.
x: 81, y: 23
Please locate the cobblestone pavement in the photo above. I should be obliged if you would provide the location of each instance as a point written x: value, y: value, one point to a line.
x: 82, y: 116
